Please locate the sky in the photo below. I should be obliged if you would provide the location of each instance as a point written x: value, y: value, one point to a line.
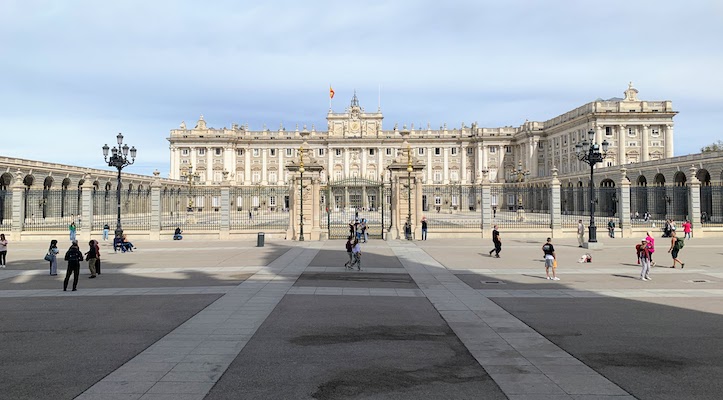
x: 74, y: 73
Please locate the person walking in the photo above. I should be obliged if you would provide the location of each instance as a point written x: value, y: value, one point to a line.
x: 424, y: 228
x: 73, y: 256
x: 72, y: 230
x: 357, y: 254
x: 611, y: 228
x: 651, y: 247
x: 580, y: 233
x: 365, y: 235
x: 53, y: 252
x: 349, y: 247
x: 550, y: 260
x: 496, y: 241
x: 643, y: 250
x: 91, y: 256
x: 97, y: 256
x: 676, y: 244
x: 687, y: 229
x: 106, y: 229
x: 3, y: 250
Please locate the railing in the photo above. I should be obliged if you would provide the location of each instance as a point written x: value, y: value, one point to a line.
x: 259, y: 207
x: 711, y: 205
x: 452, y: 206
x: 520, y: 206
x: 50, y: 210
x: 135, y: 209
x: 656, y: 204
x: 6, y: 209
x: 191, y: 209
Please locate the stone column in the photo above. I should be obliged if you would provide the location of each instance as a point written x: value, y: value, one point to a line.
x: 363, y: 169
x: 445, y: 153
x: 501, y: 164
x: 598, y: 134
x: 194, y: 160
x: 18, y: 213
x: 644, y: 145
x: 463, y: 155
x: 346, y: 163
x: 486, y: 204
x: 430, y: 177
x: 280, y: 169
x: 86, y: 210
x: 330, y: 168
x: 293, y: 206
x: 225, y: 228
x: 621, y: 145
x: 478, y: 163
x: 264, y: 167
x: 394, y: 229
x: 624, y: 223
x: 417, y: 214
x: 694, y: 203
x: 228, y: 162
x: 668, y: 141
x: 247, y: 166
x: 555, y: 205
x: 155, y: 233
x: 209, y: 165
x: 174, y: 174
x: 380, y: 163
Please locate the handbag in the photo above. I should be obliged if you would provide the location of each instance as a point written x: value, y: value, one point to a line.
x: 48, y: 257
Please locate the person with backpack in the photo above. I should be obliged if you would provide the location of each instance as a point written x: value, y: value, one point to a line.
x: 676, y: 244
x: 73, y: 256
x: 611, y: 228
x: 550, y: 260
x: 349, y: 246
x: 651, y: 247
x: 643, y: 250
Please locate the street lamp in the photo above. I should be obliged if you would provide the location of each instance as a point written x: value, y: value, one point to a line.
x: 589, y: 152
x: 119, y: 159
x: 191, y: 178
x: 301, y: 172
x: 409, y: 192
x: 519, y: 176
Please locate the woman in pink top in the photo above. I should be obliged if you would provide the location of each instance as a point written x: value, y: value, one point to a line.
x: 687, y: 229
x: 651, y: 247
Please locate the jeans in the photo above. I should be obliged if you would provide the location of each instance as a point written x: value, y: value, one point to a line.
x: 424, y: 234
x: 72, y: 235
x: 3, y: 254
x: 645, y: 270
x: 75, y: 270
x: 91, y: 266
x: 105, y: 234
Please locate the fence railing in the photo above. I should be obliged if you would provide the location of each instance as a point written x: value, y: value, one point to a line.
x: 135, y: 209
x: 191, y: 209
x: 6, y: 209
x: 49, y: 210
x: 651, y: 206
x: 452, y: 206
x: 575, y: 205
x: 259, y: 207
x: 520, y: 206
x: 711, y: 205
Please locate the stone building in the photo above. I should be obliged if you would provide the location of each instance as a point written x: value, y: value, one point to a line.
x: 355, y: 145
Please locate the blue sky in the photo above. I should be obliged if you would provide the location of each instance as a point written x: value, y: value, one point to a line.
x: 76, y: 72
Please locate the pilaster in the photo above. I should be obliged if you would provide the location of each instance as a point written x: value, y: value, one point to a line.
x: 225, y: 228
x: 315, y: 208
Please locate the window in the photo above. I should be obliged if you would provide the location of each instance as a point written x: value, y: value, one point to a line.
x: 655, y: 132
x: 184, y: 152
x: 631, y: 131
x: 437, y: 175
x: 240, y: 152
x: 437, y: 201
x: 218, y: 151
x: 469, y: 151
x: 256, y: 152
x: 272, y: 177
x: 389, y: 151
x: 454, y: 151
x: 184, y: 161
x: 371, y: 152
x: 337, y: 152
x: 437, y: 151
x: 454, y: 200
x: 337, y: 175
x: 272, y: 201
x: 321, y: 152
x: 608, y: 131
x: 215, y: 202
x: 493, y: 149
x: 541, y: 145
x: 454, y: 175
x: 256, y: 177
x: 508, y: 149
x: 610, y: 163
x: 420, y: 151
x: 632, y: 143
x: 272, y: 152
x: 201, y: 152
x: 289, y: 152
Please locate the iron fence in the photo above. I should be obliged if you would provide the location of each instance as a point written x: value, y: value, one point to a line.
x: 353, y: 199
x: 258, y: 207
x: 191, y: 209
x: 135, y: 209
x: 50, y: 210
x: 452, y: 206
x: 520, y: 206
x: 575, y: 205
x: 6, y: 209
x: 651, y: 206
x: 711, y: 205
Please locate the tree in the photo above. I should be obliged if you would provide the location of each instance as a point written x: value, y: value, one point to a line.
x: 717, y: 146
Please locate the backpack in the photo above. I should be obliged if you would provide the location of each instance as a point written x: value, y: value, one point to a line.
x: 679, y: 243
x: 348, y: 247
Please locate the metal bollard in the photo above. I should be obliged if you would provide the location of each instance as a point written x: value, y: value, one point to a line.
x: 260, y: 239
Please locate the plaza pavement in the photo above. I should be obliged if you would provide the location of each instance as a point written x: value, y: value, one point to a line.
x: 436, y: 319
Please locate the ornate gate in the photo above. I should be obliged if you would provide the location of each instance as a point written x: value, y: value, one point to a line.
x: 347, y: 200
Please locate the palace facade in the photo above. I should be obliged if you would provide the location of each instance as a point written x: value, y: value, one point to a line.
x: 355, y: 144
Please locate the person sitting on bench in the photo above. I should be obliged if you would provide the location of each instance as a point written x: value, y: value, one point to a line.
x: 126, y: 245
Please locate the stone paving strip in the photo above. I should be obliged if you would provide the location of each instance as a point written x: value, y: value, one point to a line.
x: 522, y: 362
x: 590, y: 293
x: 347, y: 291
x: 635, y: 271
x: 139, y: 271
x: 187, y: 362
x: 117, y: 291
x: 366, y: 270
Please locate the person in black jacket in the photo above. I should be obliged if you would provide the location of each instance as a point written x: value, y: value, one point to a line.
x: 91, y: 256
x: 73, y: 256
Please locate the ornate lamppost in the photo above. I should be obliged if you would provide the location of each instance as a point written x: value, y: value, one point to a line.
x: 119, y: 160
x: 589, y: 152
x: 301, y: 173
x: 191, y: 179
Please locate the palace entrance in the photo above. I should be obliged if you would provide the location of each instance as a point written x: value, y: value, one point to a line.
x: 347, y: 200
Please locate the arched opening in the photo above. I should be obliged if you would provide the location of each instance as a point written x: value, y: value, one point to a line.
x: 639, y: 198
x: 28, y: 182
x: 608, y: 198
x: 659, y: 179
x: 707, y: 192
x: 679, y: 178
x: 6, y: 180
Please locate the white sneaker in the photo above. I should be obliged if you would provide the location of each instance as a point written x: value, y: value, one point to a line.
x: 548, y: 278
x: 648, y: 278
x: 642, y: 278
x: 555, y: 279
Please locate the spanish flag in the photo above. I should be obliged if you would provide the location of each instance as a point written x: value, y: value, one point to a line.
x: 331, y: 92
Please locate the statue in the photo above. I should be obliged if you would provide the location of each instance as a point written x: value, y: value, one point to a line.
x: 183, y: 124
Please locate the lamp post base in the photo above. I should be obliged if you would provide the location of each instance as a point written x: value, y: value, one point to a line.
x: 593, y: 245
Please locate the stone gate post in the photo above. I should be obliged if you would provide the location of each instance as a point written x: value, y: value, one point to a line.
x: 225, y: 231
x: 155, y: 233
x: 694, y: 203
x: 18, y: 213
x: 86, y: 210
x: 625, y: 222
x: 555, y: 205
